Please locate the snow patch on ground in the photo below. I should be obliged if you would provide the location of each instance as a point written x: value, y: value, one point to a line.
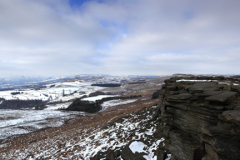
x: 112, y: 103
x: 58, y: 106
x: 97, y: 97
x: 137, y: 146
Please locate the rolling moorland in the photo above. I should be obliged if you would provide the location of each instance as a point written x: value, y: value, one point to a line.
x: 189, y: 118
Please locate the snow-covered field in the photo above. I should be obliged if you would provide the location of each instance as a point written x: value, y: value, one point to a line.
x: 112, y: 103
x: 62, y: 91
x: 14, y: 122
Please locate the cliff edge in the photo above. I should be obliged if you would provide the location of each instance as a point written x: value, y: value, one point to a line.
x: 200, y: 118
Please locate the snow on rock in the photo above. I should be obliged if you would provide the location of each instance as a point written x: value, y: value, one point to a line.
x: 150, y: 150
x: 191, y: 80
x: 168, y: 157
x: 137, y: 146
x: 226, y: 82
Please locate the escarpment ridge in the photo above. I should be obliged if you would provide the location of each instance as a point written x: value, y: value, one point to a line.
x: 200, y: 119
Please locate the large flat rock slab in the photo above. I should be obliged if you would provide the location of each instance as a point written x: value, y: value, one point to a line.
x: 222, y: 97
x: 208, y: 93
x: 201, y: 87
x: 237, y: 107
x: 232, y: 116
x: 182, y: 96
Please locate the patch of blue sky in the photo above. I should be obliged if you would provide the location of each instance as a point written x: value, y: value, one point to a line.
x: 78, y: 3
x: 106, y: 44
x: 108, y: 24
x: 188, y: 15
x: 120, y: 29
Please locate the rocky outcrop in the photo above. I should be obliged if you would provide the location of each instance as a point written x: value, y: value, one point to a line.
x: 155, y: 94
x: 200, y: 120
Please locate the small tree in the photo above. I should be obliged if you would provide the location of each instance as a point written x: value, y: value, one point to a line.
x: 63, y: 94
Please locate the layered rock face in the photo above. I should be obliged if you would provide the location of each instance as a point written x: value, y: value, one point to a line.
x: 200, y: 120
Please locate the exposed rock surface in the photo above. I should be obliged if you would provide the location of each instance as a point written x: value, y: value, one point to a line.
x: 200, y: 120
x: 155, y: 94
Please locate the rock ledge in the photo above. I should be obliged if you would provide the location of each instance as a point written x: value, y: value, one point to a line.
x: 200, y: 120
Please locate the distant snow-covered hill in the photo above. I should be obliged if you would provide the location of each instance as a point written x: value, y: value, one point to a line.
x: 12, y: 82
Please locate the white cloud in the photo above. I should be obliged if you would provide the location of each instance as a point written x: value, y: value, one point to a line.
x: 119, y: 37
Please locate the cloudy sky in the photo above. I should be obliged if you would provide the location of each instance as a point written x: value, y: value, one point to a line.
x: 119, y: 37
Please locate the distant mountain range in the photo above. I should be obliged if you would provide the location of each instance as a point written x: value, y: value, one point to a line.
x: 14, y: 82
x: 19, y: 81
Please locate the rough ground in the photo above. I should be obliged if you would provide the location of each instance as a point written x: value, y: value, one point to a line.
x: 63, y: 142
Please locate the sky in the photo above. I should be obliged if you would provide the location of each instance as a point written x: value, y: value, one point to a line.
x: 119, y: 37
